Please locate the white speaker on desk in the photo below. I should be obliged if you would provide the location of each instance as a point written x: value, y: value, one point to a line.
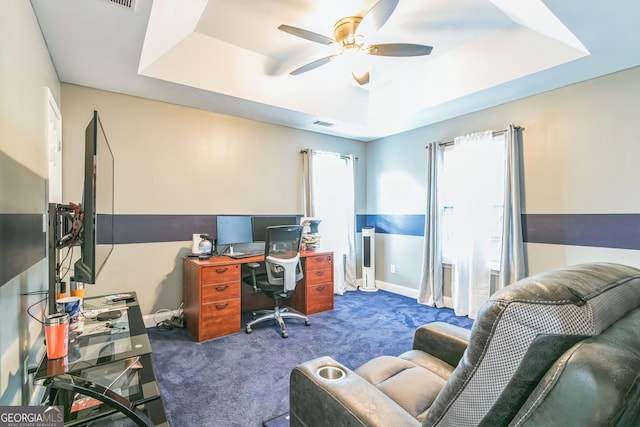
x: 368, y: 259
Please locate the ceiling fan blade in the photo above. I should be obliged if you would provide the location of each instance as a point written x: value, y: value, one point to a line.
x: 312, y: 65
x: 306, y: 34
x: 399, y: 49
x: 362, y: 79
x: 377, y: 16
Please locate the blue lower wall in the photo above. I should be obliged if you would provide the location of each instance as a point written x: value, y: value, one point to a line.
x: 22, y: 235
x: 160, y: 228
x: 620, y: 231
x: 164, y: 228
x: 407, y: 225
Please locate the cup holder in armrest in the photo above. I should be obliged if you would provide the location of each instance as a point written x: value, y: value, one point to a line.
x: 331, y: 373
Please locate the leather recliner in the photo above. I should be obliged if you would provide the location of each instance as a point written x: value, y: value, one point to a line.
x: 560, y: 348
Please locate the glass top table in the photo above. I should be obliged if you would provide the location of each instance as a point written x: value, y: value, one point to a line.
x: 98, y: 342
x: 108, y: 368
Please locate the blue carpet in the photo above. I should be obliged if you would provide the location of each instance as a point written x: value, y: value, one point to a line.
x: 281, y: 421
x: 242, y: 380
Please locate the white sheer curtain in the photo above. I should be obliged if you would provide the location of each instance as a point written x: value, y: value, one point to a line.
x: 477, y: 190
x: 473, y: 218
x: 329, y: 195
x: 431, y: 286
x: 512, y: 261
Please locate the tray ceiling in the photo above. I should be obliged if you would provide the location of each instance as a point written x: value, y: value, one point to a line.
x: 229, y: 57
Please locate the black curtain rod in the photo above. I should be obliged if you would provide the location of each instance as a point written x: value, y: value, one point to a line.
x: 496, y: 133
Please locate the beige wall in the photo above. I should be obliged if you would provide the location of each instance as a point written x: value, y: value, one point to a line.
x: 580, y: 156
x: 23, y: 79
x: 25, y: 71
x: 171, y: 159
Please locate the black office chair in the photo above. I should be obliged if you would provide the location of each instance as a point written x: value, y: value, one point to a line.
x: 282, y: 262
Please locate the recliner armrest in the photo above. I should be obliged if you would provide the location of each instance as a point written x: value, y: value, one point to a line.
x: 350, y: 401
x: 442, y: 340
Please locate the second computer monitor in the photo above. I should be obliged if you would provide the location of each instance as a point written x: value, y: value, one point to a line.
x: 260, y: 224
x: 233, y: 229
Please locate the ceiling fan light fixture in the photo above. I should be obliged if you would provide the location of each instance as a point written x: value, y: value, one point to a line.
x: 361, y: 79
x: 356, y: 62
x: 354, y: 42
x: 344, y: 30
x: 351, y: 45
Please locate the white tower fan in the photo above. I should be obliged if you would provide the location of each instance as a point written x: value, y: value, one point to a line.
x: 368, y: 259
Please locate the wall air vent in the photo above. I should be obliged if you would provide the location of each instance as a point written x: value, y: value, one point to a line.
x: 325, y: 124
x: 129, y: 4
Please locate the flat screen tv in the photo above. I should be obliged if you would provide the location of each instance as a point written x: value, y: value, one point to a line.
x: 96, y: 233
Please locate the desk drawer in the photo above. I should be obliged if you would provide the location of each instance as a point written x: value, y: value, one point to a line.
x: 220, y: 318
x: 220, y: 274
x: 318, y: 262
x: 319, y: 298
x: 220, y: 291
x: 318, y: 276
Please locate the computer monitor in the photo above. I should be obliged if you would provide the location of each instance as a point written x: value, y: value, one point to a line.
x: 233, y: 229
x: 260, y: 224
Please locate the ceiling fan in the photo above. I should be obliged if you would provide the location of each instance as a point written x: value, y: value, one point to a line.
x: 350, y: 40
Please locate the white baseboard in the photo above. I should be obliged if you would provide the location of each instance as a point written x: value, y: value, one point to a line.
x: 397, y: 289
x: 151, y: 320
x: 403, y: 290
x: 393, y: 288
x: 360, y: 286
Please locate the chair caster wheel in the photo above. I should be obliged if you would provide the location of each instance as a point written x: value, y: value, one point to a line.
x: 307, y: 323
x: 284, y: 335
x: 248, y: 330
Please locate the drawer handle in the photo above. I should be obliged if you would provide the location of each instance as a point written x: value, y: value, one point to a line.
x: 221, y: 288
x: 221, y: 306
x: 319, y: 258
x: 221, y: 270
x: 320, y: 288
x: 319, y: 273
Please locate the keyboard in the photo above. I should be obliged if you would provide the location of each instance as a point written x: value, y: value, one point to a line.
x: 247, y: 254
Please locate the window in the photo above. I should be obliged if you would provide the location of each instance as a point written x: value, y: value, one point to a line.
x: 333, y: 199
x: 481, y: 188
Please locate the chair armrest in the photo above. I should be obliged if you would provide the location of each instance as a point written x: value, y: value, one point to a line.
x: 442, y: 340
x: 350, y: 401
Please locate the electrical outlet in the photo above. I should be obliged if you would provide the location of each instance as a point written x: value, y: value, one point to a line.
x: 392, y: 267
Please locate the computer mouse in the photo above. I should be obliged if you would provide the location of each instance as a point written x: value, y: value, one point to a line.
x: 109, y: 315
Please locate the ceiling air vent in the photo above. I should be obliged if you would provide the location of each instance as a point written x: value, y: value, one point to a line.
x: 129, y: 4
x: 325, y: 124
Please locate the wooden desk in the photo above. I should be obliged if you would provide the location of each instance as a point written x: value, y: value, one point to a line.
x: 214, y: 296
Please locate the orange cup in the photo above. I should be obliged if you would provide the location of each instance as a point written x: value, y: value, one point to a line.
x: 77, y: 290
x: 56, y: 331
x: 57, y: 366
x: 78, y: 293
